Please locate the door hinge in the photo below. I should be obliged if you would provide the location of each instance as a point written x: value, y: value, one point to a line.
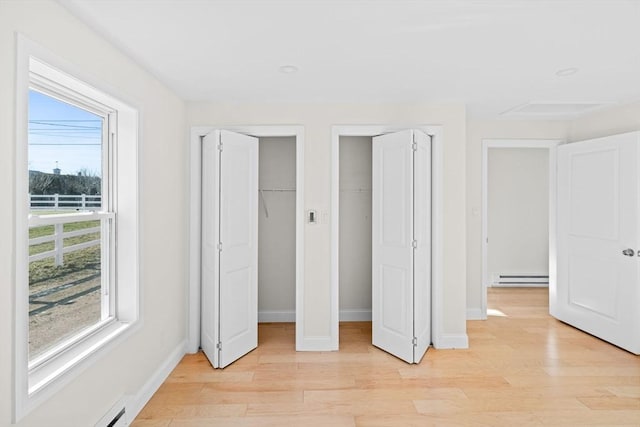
x: 220, y: 247
x: 219, y: 346
x: 414, y: 244
x: 414, y: 146
x: 220, y: 147
x: 414, y: 341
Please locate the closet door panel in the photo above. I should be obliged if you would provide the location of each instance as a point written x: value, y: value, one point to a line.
x: 422, y: 252
x: 392, y: 239
x: 229, y: 246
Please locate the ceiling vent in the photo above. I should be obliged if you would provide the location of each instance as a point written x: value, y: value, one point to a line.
x: 552, y: 109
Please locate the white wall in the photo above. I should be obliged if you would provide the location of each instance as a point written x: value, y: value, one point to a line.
x: 355, y: 225
x: 518, y: 211
x: 477, y: 131
x: 163, y: 201
x: 277, y: 233
x: 317, y: 120
x: 612, y: 121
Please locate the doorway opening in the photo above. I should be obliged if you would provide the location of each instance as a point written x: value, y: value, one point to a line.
x: 276, y: 230
x: 238, y: 255
x: 392, y: 190
x: 278, y: 201
x: 518, y: 222
x: 355, y: 228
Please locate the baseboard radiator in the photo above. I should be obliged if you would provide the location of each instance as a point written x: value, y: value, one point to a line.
x: 520, y: 280
x: 117, y: 415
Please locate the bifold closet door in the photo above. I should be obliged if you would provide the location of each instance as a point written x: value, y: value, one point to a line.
x: 422, y: 250
x: 597, y: 286
x: 229, y: 246
x: 401, y: 295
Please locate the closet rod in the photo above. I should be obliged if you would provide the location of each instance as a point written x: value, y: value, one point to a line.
x: 264, y: 204
x: 355, y: 190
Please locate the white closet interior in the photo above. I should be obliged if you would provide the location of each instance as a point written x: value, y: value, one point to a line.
x: 277, y: 229
x: 355, y: 228
x: 385, y: 225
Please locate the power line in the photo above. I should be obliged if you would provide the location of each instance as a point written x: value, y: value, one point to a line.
x: 57, y: 135
x: 50, y: 123
x: 70, y: 145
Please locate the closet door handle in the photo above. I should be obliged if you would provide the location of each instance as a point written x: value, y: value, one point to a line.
x: 628, y: 252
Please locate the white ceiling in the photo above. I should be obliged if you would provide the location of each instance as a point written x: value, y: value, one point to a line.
x: 493, y: 56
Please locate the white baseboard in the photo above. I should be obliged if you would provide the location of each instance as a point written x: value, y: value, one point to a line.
x: 289, y: 316
x: 355, y: 315
x: 137, y: 402
x: 448, y: 341
x: 475, y: 314
x: 315, y: 344
x: 284, y: 316
x: 520, y: 285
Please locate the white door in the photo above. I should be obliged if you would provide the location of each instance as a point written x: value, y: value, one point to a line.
x: 210, y: 259
x: 230, y: 246
x: 422, y: 251
x: 396, y: 218
x: 597, y: 286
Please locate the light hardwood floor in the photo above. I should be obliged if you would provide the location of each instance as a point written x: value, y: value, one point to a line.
x: 522, y: 368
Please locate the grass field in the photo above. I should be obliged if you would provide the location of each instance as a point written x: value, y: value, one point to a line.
x: 64, y: 299
x: 45, y: 268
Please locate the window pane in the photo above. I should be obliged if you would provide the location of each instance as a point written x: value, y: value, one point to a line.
x: 65, y: 156
x: 65, y: 260
x: 64, y: 289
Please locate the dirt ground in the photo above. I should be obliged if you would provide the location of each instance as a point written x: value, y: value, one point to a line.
x: 62, y: 306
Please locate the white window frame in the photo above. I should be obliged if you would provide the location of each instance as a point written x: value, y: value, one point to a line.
x: 37, y: 380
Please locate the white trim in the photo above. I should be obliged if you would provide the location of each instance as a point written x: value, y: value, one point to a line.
x: 437, y: 235
x: 355, y: 315
x: 22, y: 403
x: 319, y: 343
x: 551, y: 145
x: 436, y: 220
x: 33, y: 387
x: 453, y: 341
x: 520, y: 285
x: 284, y: 316
x: 195, y: 209
x: 146, y: 392
x: 34, y: 220
x: 110, y: 339
x: 475, y: 314
x: 193, y: 311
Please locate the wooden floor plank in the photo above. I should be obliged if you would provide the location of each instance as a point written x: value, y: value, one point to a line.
x: 522, y: 368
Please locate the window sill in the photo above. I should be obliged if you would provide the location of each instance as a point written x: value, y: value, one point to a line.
x: 47, y: 378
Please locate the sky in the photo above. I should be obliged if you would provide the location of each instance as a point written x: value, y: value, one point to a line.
x: 63, y: 135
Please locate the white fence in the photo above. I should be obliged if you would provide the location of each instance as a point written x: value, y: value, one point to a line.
x: 58, y: 237
x: 64, y: 201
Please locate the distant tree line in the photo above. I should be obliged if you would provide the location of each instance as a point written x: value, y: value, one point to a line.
x: 48, y: 183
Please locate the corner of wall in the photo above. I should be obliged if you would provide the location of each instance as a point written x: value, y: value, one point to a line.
x: 452, y: 341
x: 612, y: 121
x: 144, y: 394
